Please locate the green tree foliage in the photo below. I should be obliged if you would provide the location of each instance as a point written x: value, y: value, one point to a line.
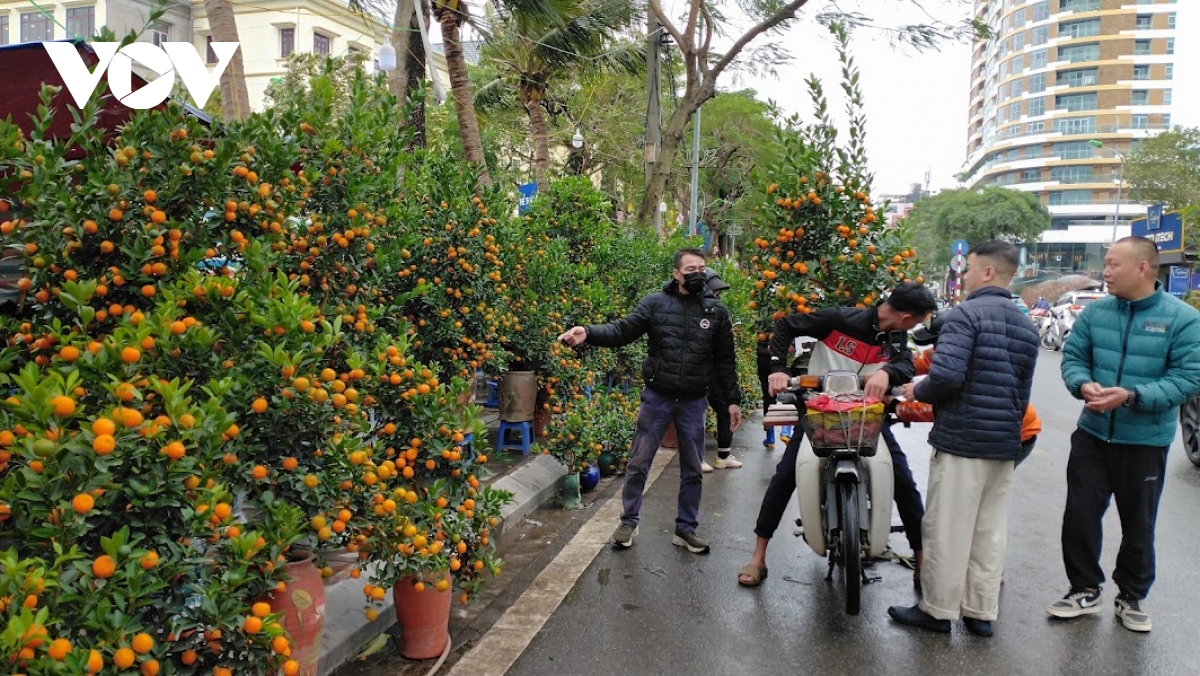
x: 976, y: 216
x: 1166, y: 169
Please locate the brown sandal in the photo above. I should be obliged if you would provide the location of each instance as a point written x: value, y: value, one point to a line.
x: 755, y: 573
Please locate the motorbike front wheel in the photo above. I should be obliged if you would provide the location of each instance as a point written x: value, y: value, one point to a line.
x: 1189, y: 421
x: 849, y: 549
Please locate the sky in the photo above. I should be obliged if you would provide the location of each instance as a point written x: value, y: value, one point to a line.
x: 916, y: 102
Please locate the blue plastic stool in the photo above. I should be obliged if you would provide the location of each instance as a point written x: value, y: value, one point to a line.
x: 493, y: 400
x: 524, y: 431
x: 587, y: 392
x: 468, y: 446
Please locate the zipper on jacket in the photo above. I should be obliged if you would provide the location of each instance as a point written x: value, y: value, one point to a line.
x: 1112, y: 421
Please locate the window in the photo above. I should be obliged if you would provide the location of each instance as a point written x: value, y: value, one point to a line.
x: 1085, y: 52
x: 1018, y: 41
x: 320, y: 44
x: 1145, y: 22
x: 1140, y: 122
x: 1170, y: 45
x: 1080, y: 77
x: 1171, y: 20
x: 1075, y: 102
x: 1166, y: 97
x: 3, y: 30
x: 1166, y: 121
x: 1041, y: 35
x: 287, y: 42
x: 1014, y: 88
x: 1018, y: 63
x: 1019, y: 17
x: 1058, y: 197
x: 160, y: 33
x: 81, y: 21
x: 1041, y: 11
x: 1037, y: 82
x: 1169, y: 71
x: 1079, y: 29
x: 1071, y: 174
x: 1079, y: 5
x: 1075, y: 125
x: 1141, y: 72
x: 1038, y: 59
x: 1075, y: 150
x: 1037, y: 106
x: 210, y: 55
x: 1033, y: 151
x: 1014, y: 110
x: 1035, y: 127
x: 1141, y: 46
x: 36, y: 27
x: 1141, y: 97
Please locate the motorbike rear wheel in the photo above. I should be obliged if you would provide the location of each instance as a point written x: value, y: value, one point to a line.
x: 1189, y: 421
x: 849, y: 549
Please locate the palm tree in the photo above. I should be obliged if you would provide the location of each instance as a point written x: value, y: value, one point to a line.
x: 535, y: 49
x: 451, y: 14
x: 235, y: 98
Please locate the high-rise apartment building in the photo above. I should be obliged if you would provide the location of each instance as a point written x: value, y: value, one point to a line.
x: 1059, y: 94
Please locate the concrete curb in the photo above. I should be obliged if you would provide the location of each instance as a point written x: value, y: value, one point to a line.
x: 346, y: 628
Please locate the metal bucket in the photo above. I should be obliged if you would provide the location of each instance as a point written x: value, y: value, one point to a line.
x: 518, y: 396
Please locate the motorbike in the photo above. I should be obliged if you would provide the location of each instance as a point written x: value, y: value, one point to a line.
x: 1055, y: 329
x: 844, y: 487
x: 1189, y: 421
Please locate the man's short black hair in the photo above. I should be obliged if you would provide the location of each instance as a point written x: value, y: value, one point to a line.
x: 1004, y: 254
x: 688, y: 251
x: 913, y: 299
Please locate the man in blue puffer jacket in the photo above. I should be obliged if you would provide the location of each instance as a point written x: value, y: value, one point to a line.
x: 979, y: 384
x: 1133, y: 358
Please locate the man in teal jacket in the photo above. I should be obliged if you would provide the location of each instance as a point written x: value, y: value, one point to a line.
x: 1133, y: 358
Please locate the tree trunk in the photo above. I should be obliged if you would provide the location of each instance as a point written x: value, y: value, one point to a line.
x: 235, y: 99
x: 402, y: 39
x: 460, y: 88
x: 531, y: 97
x: 672, y: 137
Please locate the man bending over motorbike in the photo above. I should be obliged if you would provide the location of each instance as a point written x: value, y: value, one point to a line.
x: 871, y: 342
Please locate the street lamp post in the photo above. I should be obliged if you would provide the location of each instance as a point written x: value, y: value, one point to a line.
x: 1120, y: 182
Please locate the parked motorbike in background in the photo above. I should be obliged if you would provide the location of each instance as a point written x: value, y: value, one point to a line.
x: 1056, y: 327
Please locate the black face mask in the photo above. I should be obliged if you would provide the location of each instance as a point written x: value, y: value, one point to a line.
x: 693, y: 283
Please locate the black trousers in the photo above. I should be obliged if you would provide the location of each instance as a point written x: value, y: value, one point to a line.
x: 764, y: 371
x: 1096, y: 472
x: 724, y: 422
x: 906, y: 493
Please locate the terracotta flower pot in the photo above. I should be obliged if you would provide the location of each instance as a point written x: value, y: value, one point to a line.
x: 302, y: 607
x: 424, y: 618
x: 670, y: 439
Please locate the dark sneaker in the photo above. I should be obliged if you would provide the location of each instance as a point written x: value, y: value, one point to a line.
x: 1130, y: 612
x: 692, y: 542
x: 623, y: 535
x: 978, y: 627
x: 915, y: 617
x: 1077, y: 602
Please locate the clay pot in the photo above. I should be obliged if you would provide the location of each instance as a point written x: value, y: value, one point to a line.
x: 518, y: 396
x: 424, y: 618
x: 302, y: 607
x: 670, y: 438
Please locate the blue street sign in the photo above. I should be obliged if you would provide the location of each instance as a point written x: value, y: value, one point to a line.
x: 1177, y: 282
x: 1164, y: 229
x: 526, y: 191
x: 960, y: 247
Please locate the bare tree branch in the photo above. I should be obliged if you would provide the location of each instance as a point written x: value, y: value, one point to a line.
x: 784, y: 13
x: 656, y: 7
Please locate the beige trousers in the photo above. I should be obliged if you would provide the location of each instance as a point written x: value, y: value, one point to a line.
x: 964, y: 534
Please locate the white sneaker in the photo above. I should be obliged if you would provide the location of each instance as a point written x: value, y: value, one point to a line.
x: 726, y: 463
x: 705, y: 467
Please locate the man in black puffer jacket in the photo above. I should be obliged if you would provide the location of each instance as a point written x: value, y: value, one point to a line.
x: 979, y: 384
x: 690, y: 349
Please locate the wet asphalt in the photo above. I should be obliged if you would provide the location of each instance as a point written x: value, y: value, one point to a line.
x: 657, y: 609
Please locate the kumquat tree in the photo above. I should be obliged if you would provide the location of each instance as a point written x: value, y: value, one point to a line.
x: 824, y: 243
